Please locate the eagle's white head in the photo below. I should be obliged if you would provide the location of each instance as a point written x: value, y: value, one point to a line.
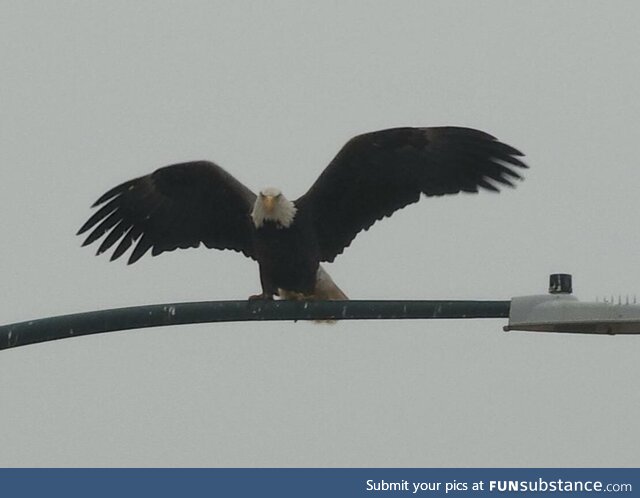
x: 271, y: 205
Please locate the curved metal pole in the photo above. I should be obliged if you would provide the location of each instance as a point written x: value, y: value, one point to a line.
x: 95, y: 322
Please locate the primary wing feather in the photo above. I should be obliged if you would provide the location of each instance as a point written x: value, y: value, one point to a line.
x: 178, y: 206
x: 377, y: 173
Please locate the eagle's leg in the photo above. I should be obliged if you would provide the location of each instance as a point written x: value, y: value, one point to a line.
x: 268, y: 289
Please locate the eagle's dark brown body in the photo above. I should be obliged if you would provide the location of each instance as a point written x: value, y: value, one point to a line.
x: 287, y: 258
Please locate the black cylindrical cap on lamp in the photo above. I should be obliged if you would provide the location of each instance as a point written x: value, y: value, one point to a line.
x: 560, y: 283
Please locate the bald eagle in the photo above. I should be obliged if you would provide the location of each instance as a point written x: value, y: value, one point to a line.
x: 372, y: 176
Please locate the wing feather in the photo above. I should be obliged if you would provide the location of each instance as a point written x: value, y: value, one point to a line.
x: 377, y: 173
x: 178, y: 206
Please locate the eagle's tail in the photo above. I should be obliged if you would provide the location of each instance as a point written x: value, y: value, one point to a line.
x: 326, y: 289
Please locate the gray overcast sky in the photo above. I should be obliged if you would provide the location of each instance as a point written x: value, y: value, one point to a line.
x: 95, y: 93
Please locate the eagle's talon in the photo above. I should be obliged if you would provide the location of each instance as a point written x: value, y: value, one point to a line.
x: 261, y: 297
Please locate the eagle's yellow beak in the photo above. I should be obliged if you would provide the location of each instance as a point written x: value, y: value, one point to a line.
x: 269, y: 202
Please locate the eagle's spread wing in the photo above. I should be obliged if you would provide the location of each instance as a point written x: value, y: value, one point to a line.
x: 378, y: 173
x: 181, y: 206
